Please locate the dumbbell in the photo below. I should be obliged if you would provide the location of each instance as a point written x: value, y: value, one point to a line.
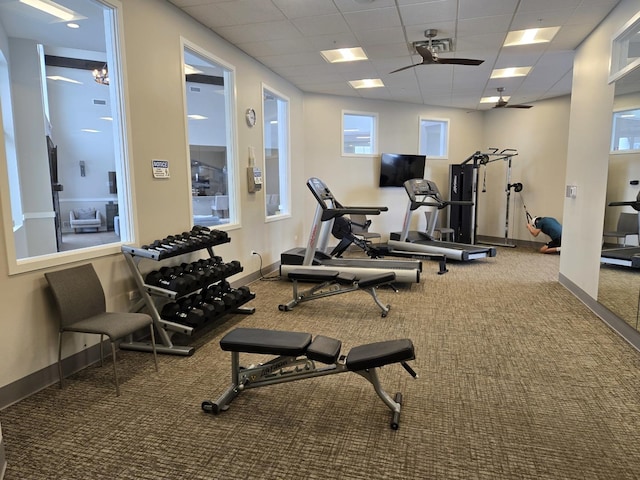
x: 195, y: 315
x: 196, y: 272
x: 245, y: 292
x: 174, y: 313
x: 210, y: 298
x: 197, y: 301
x: 167, y: 279
x: 234, y: 267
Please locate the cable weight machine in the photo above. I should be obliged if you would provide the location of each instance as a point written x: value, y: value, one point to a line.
x: 464, y: 179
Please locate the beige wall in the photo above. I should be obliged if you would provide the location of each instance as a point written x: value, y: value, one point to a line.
x: 588, y: 152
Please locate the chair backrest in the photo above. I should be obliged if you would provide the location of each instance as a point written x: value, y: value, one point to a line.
x: 77, y: 292
x: 628, y: 222
x: 357, y: 222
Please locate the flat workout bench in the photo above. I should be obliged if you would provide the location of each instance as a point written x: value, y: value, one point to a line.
x: 296, y: 354
x: 333, y: 282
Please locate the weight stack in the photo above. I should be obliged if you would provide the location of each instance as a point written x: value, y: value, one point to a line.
x: 461, y: 178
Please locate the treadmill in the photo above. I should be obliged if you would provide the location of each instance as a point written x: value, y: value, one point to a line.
x: 314, y: 256
x: 425, y: 193
x: 625, y: 256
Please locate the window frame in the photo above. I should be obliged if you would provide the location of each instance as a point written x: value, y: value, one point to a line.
x: 233, y: 175
x: 114, y: 36
x: 374, y: 134
x: 286, y: 211
x: 444, y: 144
x: 612, y: 150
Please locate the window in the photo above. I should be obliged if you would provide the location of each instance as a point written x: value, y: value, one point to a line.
x: 434, y: 138
x: 209, y: 106
x: 359, y: 133
x: 63, y: 123
x: 625, y: 133
x: 276, y: 152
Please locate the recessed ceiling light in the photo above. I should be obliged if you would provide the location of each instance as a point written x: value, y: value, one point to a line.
x: 89, y: 130
x: 344, y: 55
x: 494, y: 99
x: 59, y: 78
x: 531, y: 35
x: 110, y: 119
x: 366, y: 83
x: 73, y: 25
x: 510, y: 72
x: 51, y: 8
x: 197, y: 117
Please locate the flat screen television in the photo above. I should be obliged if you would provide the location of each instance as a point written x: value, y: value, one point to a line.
x: 397, y: 168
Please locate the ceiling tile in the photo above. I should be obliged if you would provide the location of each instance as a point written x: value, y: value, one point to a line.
x: 321, y: 24
x: 304, y: 8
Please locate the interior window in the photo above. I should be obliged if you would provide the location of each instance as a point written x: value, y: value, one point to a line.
x: 625, y: 133
x: 62, y: 134
x: 209, y: 103
x: 359, y: 131
x: 434, y: 138
x: 276, y: 152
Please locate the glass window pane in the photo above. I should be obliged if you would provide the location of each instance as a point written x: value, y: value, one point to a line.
x: 625, y: 134
x: 209, y: 97
x: 276, y: 153
x: 358, y: 134
x: 60, y: 100
x: 434, y: 138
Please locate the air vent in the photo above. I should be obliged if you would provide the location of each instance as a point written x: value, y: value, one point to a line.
x: 439, y: 45
x: 194, y: 89
x: 98, y: 101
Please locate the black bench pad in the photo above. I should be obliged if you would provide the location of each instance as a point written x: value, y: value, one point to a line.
x: 378, y: 354
x: 324, y: 349
x: 313, y: 275
x: 259, y: 340
x: 378, y: 279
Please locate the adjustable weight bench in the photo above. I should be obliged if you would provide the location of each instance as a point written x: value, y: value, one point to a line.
x: 296, y: 355
x: 333, y: 282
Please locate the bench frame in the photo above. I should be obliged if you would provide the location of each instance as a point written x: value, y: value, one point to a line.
x: 284, y: 368
x: 333, y: 282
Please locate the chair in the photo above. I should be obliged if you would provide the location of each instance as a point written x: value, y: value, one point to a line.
x: 85, y: 218
x: 627, y: 225
x: 81, y: 304
x: 360, y: 227
x: 443, y: 232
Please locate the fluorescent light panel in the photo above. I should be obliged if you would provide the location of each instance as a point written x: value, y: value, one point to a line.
x: 531, y: 35
x: 366, y: 83
x: 51, y: 8
x: 344, y: 55
x: 510, y: 72
x: 59, y: 78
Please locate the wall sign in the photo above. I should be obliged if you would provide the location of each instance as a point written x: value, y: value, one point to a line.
x: 160, y: 168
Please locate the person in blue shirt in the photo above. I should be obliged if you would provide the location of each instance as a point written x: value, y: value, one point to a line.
x: 549, y: 226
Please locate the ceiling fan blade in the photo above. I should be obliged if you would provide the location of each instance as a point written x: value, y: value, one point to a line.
x: 459, y: 61
x: 405, y: 68
x: 518, y: 106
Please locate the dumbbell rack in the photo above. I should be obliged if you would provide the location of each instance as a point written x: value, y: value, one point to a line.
x: 151, y: 295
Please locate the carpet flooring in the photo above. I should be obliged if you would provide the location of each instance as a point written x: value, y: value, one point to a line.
x: 517, y: 380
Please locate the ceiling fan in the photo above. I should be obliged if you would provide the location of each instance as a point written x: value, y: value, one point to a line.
x: 430, y: 56
x: 502, y: 103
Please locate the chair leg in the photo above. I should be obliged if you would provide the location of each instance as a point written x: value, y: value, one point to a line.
x: 153, y: 346
x: 115, y: 370
x: 101, y: 352
x: 60, y: 357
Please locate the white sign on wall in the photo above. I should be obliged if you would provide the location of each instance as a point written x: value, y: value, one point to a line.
x: 160, y: 168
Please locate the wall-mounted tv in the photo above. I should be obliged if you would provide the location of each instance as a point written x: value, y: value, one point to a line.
x: 397, y: 168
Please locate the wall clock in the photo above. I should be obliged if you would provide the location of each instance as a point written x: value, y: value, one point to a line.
x: 251, y: 117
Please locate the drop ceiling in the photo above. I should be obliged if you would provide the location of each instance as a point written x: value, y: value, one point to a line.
x: 288, y: 35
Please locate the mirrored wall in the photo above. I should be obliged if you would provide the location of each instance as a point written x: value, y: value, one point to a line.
x: 619, y: 285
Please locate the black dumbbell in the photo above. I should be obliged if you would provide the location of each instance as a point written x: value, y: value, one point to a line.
x: 195, y: 316
x: 174, y: 313
x: 167, y: 279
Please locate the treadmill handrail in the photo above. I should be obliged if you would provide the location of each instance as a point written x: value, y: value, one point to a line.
x: 329, y: 213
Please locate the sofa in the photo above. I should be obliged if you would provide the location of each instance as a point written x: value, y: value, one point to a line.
x: 85, y: 219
